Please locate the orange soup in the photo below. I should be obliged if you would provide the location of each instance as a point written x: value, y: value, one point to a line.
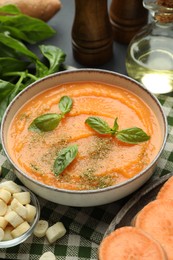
x: 102, y: 160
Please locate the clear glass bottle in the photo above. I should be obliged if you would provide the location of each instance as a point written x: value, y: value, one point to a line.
x: 150, y: 53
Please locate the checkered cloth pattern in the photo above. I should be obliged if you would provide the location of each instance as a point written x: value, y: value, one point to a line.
x: 85, y: 226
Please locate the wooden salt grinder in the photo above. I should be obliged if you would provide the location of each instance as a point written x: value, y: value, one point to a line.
x: 91, y: 32
x: 127, y: 18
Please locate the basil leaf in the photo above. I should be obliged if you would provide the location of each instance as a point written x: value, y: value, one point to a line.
x: 46, y: 122
x: 65, y: 157
x: 9, y: 9
x: 27, y: 28
x: 5, y: 89
x: 115, y: 126
x: 8, y: 52
x: 132, y: 135
x: 99, y: 125
x: 65, y: 104
x: 19, y: 62
x: 16, y: 45
x: 35, y: 30
x: 8, y: 92
x: 14, y: 32
x: 9, y: 64
x: 54, y: 55
x: 41, y: 69
x: 5, y: 102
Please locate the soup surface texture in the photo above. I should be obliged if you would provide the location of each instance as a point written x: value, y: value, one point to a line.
x: 102, y: 160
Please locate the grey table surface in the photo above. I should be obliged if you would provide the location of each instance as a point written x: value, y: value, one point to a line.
x: 62, y: 22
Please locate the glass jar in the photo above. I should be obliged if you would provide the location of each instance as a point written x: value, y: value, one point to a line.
x: 150, y: 53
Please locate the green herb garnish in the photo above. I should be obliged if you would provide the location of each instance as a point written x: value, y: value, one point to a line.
x: 65, y: 104
x: 48, y: 122
x: 19, y: 65
x: 45, y: 123
x: 65, y: 157
x: 132, y: 135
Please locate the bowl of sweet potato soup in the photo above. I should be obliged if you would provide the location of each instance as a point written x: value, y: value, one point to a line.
x: 84, y: 137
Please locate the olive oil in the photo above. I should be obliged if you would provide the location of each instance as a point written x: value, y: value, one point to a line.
x: 150, y: 53
x: 150, y: 61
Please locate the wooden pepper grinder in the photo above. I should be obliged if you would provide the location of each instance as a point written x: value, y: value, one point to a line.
x: 127, y: 18
x: 91, y: 32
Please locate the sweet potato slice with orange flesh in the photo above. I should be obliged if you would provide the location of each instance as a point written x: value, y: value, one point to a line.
x: 130, y: 243
x: 156, y: 219
x: 166, y: 192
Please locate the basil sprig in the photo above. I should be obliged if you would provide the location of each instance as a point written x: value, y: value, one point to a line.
x: 65, y: 105
x: 132, y: 135
x: 22, y: 66
x: 65, y: 157
x: 48, y: 122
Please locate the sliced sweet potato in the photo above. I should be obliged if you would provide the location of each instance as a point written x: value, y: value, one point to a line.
x: 43, y: 10
x: 166, y: 192
x: 130, y: 243
x: 156, y: 218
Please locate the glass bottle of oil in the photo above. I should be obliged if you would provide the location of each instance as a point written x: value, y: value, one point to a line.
x: 150, y: 53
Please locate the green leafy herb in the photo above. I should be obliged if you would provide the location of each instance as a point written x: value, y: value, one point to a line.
x: 54, y: 55
x: 18, y: 63
x: 132, y: 135
x: 65, y: 104
x: 98, y: 125
x: 65, y: 157
x: 17, y: 45
x: 48, y: 122
x: 23, y: 27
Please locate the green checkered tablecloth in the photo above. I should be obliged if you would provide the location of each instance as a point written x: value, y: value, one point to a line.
x: 85, y: 226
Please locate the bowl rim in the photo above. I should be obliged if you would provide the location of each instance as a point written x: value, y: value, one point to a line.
x: 102, y: 190
x: 18, y: 240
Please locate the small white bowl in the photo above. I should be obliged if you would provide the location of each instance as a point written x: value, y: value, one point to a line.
x: 28, y: 233
x: 88, y: 197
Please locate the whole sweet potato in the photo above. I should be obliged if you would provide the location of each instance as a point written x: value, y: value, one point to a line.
x: 43, y: 10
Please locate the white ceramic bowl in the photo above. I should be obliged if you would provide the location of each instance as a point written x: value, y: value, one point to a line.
x: 89, y: 197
